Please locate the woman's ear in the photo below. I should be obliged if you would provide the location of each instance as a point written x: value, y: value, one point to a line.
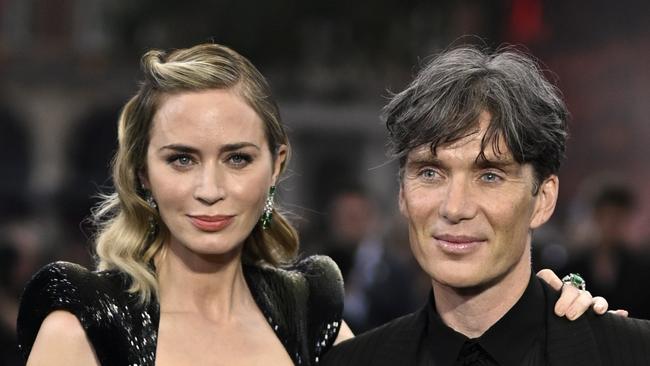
x: 144, y: 180
x: 280, y: 158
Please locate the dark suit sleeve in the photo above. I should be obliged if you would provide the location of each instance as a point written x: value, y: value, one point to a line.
x: 356, y: 351
x: 394, y: 343
x: 622, y: 341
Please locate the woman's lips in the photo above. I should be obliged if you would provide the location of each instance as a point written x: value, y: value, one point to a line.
x: 210, y: 223
x: 458, y: 244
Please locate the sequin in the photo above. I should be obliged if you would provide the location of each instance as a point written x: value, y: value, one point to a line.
x: 303, y: 304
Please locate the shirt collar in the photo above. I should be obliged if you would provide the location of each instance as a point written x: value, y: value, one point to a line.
x: 507, y: 341
x: 444, y: 342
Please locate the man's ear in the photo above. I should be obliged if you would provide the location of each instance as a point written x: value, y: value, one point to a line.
x: 401, y: 201
x: 280, y: 158
x: 545, y: 201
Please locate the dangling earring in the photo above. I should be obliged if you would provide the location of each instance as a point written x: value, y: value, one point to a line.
x: 267, y: 215
x: 152, y: 203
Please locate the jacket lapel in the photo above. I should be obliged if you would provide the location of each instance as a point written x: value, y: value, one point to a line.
x: 569, y: 343
x: 402, y: 345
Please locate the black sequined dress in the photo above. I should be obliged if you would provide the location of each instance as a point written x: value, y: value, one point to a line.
x: 302, y: 303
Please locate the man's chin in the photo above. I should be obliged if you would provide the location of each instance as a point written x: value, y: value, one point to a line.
x: 466, y: 285
x: 463, y: 284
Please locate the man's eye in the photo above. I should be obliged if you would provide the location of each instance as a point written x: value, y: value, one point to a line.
x: 490, y: 177
x: 428, y: 174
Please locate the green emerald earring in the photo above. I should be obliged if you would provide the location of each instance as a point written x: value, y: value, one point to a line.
x: 267, y: 215
x: 153, y: 226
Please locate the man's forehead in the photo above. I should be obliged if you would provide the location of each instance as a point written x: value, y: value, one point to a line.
x: 490, y: 152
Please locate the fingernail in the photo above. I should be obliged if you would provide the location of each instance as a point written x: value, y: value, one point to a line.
x: 599, y: 307
x: 571, y: 315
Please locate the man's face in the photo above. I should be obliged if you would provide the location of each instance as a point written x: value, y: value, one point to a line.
x: 470, y: 221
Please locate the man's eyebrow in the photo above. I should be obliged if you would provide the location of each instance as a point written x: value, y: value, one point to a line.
x: 225, y: 148
x: 483, y: 163
x: 423, y: 159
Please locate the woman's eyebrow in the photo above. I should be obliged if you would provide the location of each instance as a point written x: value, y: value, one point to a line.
x: 191, y: 150
x: 237, y: 146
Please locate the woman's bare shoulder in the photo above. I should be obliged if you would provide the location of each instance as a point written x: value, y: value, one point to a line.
x: 61, y: 340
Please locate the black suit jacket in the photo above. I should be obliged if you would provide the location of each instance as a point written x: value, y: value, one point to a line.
x: 591, y: 340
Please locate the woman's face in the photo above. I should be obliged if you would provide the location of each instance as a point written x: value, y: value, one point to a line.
x: 209, y: 168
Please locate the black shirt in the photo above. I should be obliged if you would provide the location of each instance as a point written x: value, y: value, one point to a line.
x: 518, y: 338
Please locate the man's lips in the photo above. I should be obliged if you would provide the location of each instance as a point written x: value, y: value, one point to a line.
x: 458, y: 244
x: 211, y: 222
x: 458, y: 239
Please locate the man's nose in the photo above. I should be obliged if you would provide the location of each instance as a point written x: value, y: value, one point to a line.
x: 458, y: 202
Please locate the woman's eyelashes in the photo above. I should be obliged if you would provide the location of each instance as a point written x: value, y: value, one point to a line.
x: 239, y: 159
x: 180, y: 160
x: 235, y: 160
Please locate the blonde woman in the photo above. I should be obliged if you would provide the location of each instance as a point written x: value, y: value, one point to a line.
x: 195, y: 265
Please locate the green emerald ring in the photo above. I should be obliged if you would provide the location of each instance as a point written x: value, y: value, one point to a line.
x: 575, y: 280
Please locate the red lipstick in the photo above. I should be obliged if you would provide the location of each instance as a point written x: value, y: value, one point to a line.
x: 211, y: 223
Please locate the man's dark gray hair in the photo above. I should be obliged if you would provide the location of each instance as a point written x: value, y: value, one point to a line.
x: 444, y: 101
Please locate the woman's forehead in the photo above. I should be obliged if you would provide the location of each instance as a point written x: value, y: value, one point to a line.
x: 206, y: 117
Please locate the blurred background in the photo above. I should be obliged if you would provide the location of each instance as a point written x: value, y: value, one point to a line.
x: 67, y: 67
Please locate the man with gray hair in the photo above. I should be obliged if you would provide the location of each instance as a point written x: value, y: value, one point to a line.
x: 480, y: 138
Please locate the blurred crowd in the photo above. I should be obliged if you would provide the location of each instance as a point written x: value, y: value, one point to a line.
x: 67, y: 65
x: 364, y: 235
x: 36, y: 229
x: 598, y: 243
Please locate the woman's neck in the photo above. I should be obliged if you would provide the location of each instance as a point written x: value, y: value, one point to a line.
x: 211, y: 286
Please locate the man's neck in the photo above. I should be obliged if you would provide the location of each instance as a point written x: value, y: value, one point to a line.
x: 474, y: 312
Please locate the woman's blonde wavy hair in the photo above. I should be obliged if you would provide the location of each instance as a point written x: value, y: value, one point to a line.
x: 124, y: 240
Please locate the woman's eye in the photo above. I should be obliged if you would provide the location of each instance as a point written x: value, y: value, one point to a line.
x: 184, y: 160
x: 181, y: 160
x: 239, y: 160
